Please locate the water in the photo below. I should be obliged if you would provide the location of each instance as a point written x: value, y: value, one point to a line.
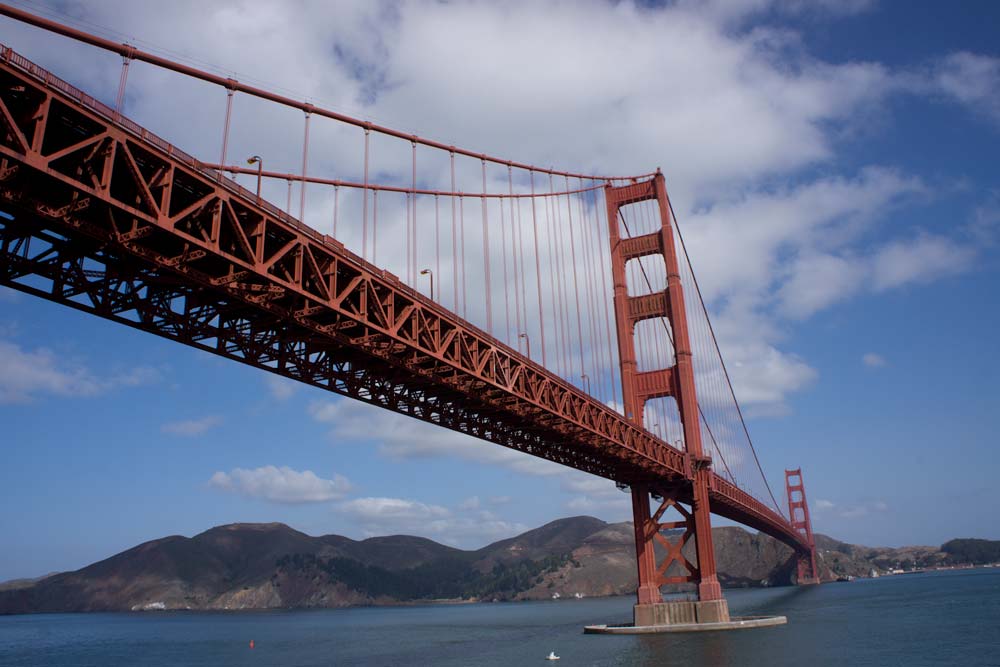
x: 947, y: 618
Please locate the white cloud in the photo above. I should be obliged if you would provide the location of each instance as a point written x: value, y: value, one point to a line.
x: 973, y: 80
x: 29, y: 374
x: 873, y: 360
x: 465, y: 527
x: 734, y: 135
x: 850, y: 511
x: 818, y: 281
x: 985, y: 226
x: 399, y: 437
x: 596, y: 494
x: 471, y: 503
x: 192, y: 427
x: 919, y: 260
x: 281, y: 485
x: 280, y: 388
x: 392, y: 510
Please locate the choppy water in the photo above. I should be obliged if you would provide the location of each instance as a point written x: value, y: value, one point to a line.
x: 949, y: 618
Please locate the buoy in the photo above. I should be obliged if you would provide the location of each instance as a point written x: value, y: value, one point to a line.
x: 251, y: 643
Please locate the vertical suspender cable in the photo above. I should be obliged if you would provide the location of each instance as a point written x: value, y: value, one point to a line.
x: 364, y: 206
x: 374, y: 225
x: 503, y: 256
x: 521, y: 266
x: 336, y: 207
x: 605, y: 246
x: 305, y: 163
x: 561, y: 283
x: 486, y: 257
x: 225, y: 129
x: 538, y: 268
x: 411, y: 233
x: 595, y: 362
x: 454, y: 236
x: 560, y: 359
x: 461, y: 232
x: 437, y: 239
x: 576, y: 284
x: 514, y: 255
x: 120, y: 100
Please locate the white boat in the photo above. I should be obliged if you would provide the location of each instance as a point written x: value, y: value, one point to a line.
x: 552, y: 656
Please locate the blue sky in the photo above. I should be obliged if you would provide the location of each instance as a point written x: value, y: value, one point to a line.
x: 834, y: 169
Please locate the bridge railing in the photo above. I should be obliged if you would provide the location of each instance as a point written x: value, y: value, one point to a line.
x: 130, y: 126
x: 674, y: 456
x: 720, y: 485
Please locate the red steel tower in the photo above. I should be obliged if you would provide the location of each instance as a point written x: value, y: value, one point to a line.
x: 798, y: 514
x: 676, y: 382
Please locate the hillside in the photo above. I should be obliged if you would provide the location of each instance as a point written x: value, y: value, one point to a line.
x: 253, y: 566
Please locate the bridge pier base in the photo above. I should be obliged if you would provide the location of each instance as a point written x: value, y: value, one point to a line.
x: 681, y: 612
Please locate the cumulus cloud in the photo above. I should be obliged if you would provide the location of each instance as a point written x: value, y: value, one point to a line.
x: 851, y: 510
x: 596, y: 494
x: 280, y: 388
x: 467, y: 527
x: 919, y: 260
x: 399, y: 437
x: 192, y: 427
x: 471, y: 503
x: 873, y: 360
x: 392, y: 510
x: 281, y: 485
x: 971, y: 79
x: 735, y: 135
x: 27, y: 374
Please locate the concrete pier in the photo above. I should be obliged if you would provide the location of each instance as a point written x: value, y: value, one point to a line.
x: 744, y: 623
x: 681, y: 612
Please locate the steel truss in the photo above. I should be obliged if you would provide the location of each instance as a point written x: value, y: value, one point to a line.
x: 112, y: 220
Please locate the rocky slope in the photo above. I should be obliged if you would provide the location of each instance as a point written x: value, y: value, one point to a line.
x: 253, y: 566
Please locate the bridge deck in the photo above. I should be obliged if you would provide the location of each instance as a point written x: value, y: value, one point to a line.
x: 114, y: 221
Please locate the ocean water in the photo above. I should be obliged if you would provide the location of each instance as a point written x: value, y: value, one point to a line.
x: 945, y: 618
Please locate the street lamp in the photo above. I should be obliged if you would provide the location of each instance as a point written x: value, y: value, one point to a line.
x: 259, y: 161
x: 586, y: 381
x: 527, y: 343
x: 428, y: 272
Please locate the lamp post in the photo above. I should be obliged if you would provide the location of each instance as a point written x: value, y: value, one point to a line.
x: 586, y: 381
x: 259, y: 161
x: 428, y: 272
x: 527, y: 343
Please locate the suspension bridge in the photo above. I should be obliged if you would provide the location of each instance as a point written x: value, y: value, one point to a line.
x: 552, y: 312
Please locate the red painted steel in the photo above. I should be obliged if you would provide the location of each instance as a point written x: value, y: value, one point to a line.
x: 677, y: 382
x: 112, y: 220
x: 798, y: 513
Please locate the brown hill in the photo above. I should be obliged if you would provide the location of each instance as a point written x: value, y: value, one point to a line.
x: 251, y: 566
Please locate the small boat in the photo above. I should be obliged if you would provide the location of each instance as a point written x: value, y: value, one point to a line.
x: 552, y: 656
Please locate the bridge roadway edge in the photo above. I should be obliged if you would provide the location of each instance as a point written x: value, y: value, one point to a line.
x: 725, y: 502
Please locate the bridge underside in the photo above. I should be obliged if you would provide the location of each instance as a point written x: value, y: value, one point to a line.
x: 43, y: 258
x: 113, y: 221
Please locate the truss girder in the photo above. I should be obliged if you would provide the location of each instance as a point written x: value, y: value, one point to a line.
x: 112, y: 220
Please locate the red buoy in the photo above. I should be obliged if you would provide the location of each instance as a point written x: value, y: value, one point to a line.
x: 251, y: 643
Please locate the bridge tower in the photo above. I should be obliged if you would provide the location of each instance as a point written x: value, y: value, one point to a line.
x: 640, y: 387
x: 798, y: 514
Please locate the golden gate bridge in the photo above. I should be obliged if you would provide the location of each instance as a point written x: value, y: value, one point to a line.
x: 552, y: 312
